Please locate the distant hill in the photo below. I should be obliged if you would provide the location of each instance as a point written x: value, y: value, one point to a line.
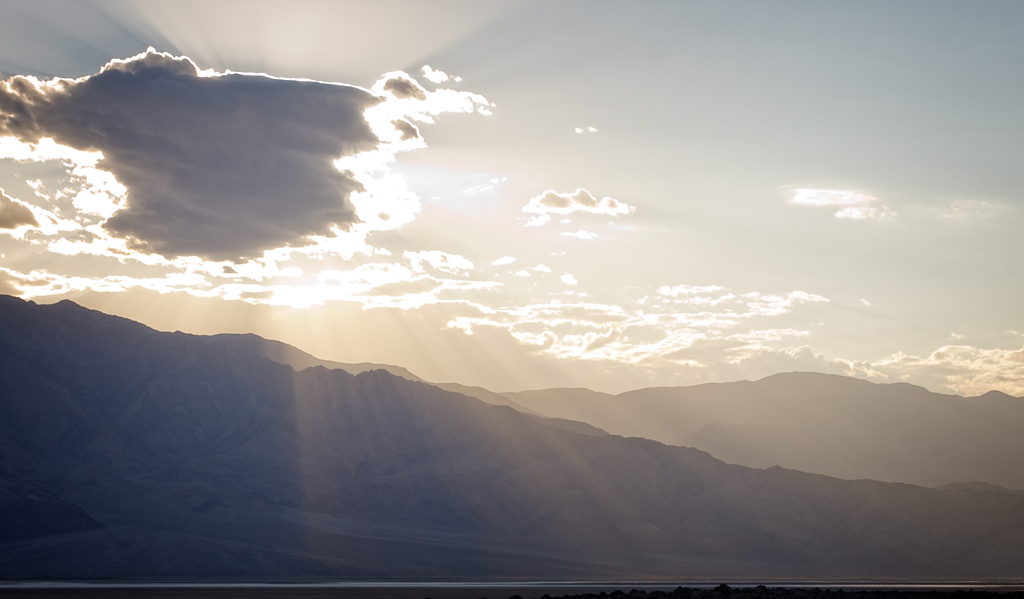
x: 827, y: 424
x: 174, y: 457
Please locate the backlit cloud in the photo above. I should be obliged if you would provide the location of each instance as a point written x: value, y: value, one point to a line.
x: 963, y: 369
x: 581, y: 200
x: 679, y: 290
x: 719, y: 332
x: 852, y: 204
x: 216, y: 165
x: 230, y: 185
x: 14, y: 213
x: 176, y: 161
x: 436, y: 75
x: 402, y: 86
x: 438, y: 260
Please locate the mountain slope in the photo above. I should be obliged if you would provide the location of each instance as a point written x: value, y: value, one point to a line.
x: 819, y: 423
x: 282, y: 353
x: 204, y: 462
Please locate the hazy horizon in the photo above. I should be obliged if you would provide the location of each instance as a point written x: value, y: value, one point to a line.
x: 524, y: 195
x: 528, y: 390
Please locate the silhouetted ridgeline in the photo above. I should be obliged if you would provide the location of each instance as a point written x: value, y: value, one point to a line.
x: 724, y: 591
x: 168, y: 456
x: 469, y: 592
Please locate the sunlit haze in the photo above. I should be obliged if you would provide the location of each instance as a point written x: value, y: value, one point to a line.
x: 522, y: 195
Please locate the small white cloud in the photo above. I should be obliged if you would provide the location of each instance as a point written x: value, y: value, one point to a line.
x: 478, y: 189
x: 523, y: 273
x: 687, y: 290
x: 853, y: 204
x: 586, y: 129
x: 957, y: 336
x: 765, y: 304
x: 541, y: 268
x: 971, y: 210
x: 538, y: 221
x: 768, y: 335
x: 865, y: 212
x: 581, y: 200
x: 436, y: 76
x: 865, y: 302
x: 568, y: 279
x: 503, y: 260
x: 581, y: 234
x: 442, y: 261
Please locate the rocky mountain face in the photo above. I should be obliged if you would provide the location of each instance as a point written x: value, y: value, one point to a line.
x: 168, y: 456
x: 826, y: 424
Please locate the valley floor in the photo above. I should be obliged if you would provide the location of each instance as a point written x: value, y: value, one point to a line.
x: 514, y: 591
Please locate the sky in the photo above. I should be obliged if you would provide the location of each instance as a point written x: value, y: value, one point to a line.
x: 525, y: 195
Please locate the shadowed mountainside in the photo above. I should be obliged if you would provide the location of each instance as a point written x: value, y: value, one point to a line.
x: 826, y: 424
x: 205, y: 462
x: 282, y: 353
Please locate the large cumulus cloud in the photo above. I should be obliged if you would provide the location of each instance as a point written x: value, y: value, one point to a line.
x: 221, y: 166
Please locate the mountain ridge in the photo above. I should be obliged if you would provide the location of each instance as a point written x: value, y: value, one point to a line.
x: 896, y: 432
x: 746, y: 443
x: 206, y: 463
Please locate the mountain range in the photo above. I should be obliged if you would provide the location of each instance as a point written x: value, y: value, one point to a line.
x: 133, y: 454
x: 820, y: 423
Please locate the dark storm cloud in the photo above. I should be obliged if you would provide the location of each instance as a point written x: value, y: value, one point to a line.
x: 13, y: 214
x: 221, y: 167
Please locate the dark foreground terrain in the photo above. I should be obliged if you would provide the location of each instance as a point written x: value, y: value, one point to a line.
x: 128, y: 454
x: 721, y: 591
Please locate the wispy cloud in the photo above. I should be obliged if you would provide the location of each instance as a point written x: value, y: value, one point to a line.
x: 581, y: 234
x: 852, y: 204
x: 438, y: 260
